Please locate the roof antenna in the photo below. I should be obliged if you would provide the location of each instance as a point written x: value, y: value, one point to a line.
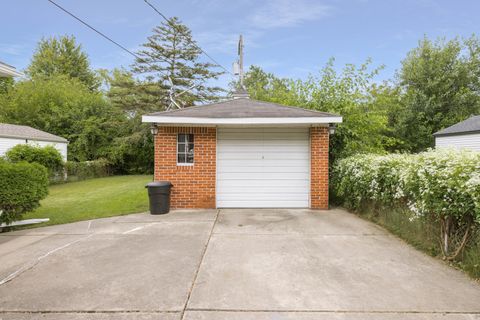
x: 240, y: 92
x: 171, y: 96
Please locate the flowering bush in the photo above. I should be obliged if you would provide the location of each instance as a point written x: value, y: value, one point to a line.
x: 443, y: 185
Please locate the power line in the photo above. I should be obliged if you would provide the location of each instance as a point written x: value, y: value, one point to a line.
x: 171, y: 93
x: 190, y: 41
x: 102, y: 34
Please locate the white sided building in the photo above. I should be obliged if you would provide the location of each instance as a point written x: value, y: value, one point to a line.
x: 12, y: 135
x: 463, y: 135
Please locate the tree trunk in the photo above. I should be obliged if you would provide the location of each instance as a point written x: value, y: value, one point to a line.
x: 446, y: 236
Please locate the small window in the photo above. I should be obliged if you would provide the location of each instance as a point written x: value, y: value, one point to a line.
x: 184, y: 149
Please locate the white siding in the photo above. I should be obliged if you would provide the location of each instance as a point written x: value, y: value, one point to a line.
x: 466, y: 141
x: 60, y: 146
x: 263, y: 167
x: 8, y: 143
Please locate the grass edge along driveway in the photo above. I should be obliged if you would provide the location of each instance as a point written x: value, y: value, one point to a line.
x: 93, y: 199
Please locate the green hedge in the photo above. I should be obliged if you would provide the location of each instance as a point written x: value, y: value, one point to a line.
x: 441, y: 186
x: 47, y: 156
x: 22, y: 186
x: 77, y: 171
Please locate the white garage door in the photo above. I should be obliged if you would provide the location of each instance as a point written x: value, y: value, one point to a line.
x: 263, y: 168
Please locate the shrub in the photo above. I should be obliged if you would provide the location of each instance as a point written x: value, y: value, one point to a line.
x: 438, y: 185
x: 22, y: 186
x: 47, y: 156
x: 88, y: 169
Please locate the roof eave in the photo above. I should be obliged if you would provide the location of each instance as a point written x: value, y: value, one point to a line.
x: 440, y: 134
x: 11, y: 136
x: 240, y: 121
x: 8, y: 71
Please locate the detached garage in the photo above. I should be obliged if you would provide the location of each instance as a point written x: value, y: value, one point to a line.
x: 462, y: 135
x: 11, y: 135
x: 243, y: 153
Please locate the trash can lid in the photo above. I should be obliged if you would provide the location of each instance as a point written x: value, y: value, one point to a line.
x: 158, y: 184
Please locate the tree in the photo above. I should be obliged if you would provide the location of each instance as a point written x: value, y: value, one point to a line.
x: 132, y: 150
x: 350, y: 94
x: 6, y: 84
x: 65, y: 107
x: 131, y: 95
x: 62, y: 56
x: 171, y: 56
x: 440, y: 85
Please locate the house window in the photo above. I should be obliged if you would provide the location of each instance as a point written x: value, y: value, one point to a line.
x: 185, y: 149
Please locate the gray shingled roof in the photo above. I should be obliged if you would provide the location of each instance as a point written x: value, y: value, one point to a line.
x: 243, y: 108
x: 25, y: 132
x: 470, y: 125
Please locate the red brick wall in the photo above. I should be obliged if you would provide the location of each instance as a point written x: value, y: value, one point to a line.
x: 193, y: 186
x: 319, y: 167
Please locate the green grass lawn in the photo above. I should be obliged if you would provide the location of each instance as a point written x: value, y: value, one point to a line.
x: 91, y: 199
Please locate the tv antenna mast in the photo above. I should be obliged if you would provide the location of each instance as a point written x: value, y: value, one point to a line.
x: 238, y: 65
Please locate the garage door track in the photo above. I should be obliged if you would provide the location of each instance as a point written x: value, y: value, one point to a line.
x: 226, y: 264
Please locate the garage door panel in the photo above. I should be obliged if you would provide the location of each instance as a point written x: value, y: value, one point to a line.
x: 267, y: 189
x: 221, y: 184
x: 242, y: 130
x: 265, y: 136
x: 262, y: 197
x: 263, y: 167
x: 273, y: 163
x: 265, y: 156
x: 255, y: 148
x: 261, y: 204
x: 263, y: 175
x: 251, y: 143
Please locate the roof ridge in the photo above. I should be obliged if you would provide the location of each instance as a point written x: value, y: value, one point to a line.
x: 278, y: 105
x: 196, y: 106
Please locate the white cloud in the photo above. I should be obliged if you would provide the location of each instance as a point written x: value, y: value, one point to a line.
x: 287, y: 13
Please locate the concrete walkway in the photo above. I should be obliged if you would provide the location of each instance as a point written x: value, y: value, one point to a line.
x: 227, y: 264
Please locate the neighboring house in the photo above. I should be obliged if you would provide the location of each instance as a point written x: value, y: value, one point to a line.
x: 243, y: 153
x: 463, y: 135
x: 11, y: 135
x: 8, y: 71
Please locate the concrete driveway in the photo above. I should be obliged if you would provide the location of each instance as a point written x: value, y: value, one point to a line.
x: 227, y: 264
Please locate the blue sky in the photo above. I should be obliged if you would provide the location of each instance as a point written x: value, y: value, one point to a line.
x: 288, y: 37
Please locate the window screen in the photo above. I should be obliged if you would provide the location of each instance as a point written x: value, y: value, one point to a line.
x: 185, y: 148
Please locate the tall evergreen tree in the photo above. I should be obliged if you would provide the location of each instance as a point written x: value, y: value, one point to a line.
x: 171, y: 56
x: 62, y: 56
x: 133, y: 96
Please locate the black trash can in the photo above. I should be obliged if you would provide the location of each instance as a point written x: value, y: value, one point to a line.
x: 159, y: 196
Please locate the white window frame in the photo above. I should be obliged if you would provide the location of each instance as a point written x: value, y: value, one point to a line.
x: 186, y: 143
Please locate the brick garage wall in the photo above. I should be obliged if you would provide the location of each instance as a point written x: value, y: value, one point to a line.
x: 319, y: 167
x: 193, y: 186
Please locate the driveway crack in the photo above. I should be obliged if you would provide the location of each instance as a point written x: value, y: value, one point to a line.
x: 199, y: 265
x: 34, y: 262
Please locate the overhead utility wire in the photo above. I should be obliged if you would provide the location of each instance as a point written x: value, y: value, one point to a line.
x: 102, y: 34
x: 190, y: 41
x: 172, y: 95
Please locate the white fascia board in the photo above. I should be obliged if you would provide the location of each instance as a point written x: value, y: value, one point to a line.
x: 239, y: 121
x: 7, y: 136
x: 8, y: 71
